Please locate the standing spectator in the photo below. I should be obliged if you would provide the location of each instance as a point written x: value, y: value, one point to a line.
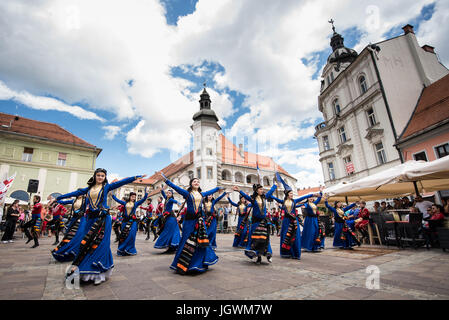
x: 227, y: 212
x: 383, y: 207
x: 376, y: 207
x: 406, y: 204
x: 220, y: 216
x: 422, y: 205
x: 12, y: 214
x: 446, y: 207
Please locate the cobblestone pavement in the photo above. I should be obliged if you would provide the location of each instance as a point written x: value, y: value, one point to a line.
x: 27, y: 273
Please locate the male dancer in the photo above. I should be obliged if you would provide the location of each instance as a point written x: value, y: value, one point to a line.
x: 148, y: 214
x: 35, y: 222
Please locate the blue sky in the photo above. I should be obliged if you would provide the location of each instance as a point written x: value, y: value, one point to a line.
x: 117, y: 83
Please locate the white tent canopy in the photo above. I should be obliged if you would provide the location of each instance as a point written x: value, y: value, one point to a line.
x: 397, y: 181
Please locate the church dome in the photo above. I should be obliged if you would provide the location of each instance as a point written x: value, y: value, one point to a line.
x: 340, y: 53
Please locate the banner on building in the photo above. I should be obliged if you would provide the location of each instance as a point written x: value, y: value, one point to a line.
x: 4, y: 187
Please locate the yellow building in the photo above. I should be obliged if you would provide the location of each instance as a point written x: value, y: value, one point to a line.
x: 43, y: 151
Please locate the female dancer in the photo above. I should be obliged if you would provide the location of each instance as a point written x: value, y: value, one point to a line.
x: 169, y: 235
x: 94, y: 259
x: 211, y: 218
x: 242, y: 230
x: 344, y: 237
x: 68, y: 248
x: 290, y: 231
x: 194, y: 251
x: 311, y: 237
x: 128, y: 232
x: 259, y: 235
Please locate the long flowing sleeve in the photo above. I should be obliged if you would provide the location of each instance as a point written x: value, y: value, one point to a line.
x: 349, y: 207
x: 163, y: 194
x: 219, y: 198
x: 65, y: 202
x: 118, y: 200
x: 232, y: 203
x: 247, y: 197
x: 76, y: 193
x: 208, y: 193
x: 139, y: 203
x: 118, y: 184
x: 330, y: 208
x: 276, y: 199
x: 318, y: 199
x: 302, y: 198
x: 270, y: 192
x: 179, y: 190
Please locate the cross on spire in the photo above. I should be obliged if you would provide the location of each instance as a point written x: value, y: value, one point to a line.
x: 331, y: 21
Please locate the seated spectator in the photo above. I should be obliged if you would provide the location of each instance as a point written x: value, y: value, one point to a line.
x: 376, y: 207
x: 422, y: 205
x: 434, y: 221
x: 446, y: 207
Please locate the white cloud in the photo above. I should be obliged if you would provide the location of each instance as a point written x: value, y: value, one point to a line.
x: 88, y: 51
x: 45, y: 103
x: 111, y: 132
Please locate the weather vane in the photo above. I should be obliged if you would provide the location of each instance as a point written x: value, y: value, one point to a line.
x: 331, y: 21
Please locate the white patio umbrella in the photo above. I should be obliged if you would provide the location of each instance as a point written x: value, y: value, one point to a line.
x: 404, y: 179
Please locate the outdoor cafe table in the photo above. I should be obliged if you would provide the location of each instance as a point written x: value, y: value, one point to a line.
x: 400, y: 212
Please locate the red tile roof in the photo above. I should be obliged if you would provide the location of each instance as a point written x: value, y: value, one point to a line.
x: 174, y: 167
x: 230, y: 155
x: 308, y: 190
x: 39, y: 129
x: 432, y: 108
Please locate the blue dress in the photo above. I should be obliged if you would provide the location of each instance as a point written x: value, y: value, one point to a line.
x: 97, y: 263
x: 212, y: 228
x: 352, y: 215
x: 202, y: 257
x: 259, y: 214
x: 170, y: 235
x: 311, y: 229
x: 68, y: 249
x: 127, y: 247
x: 290, y: 249
x: 240, y: 238
x: 339, y: 223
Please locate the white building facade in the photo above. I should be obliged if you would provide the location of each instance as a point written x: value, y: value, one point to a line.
x: 366, y: 100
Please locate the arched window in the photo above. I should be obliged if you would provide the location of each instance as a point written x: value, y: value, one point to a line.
x: 363, y: 85
x: 226, y: 175
x: 238, y: 177
x: 266, y: 181
x: 190, y: 175
x: 336, y: 105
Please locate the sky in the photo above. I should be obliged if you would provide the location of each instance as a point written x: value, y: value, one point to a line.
x: 126, y: 75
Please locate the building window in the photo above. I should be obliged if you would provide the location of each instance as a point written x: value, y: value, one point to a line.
x: 27, y: 154
x: 190, y: 175
x: 198, y: 173
x: 332, y: 77
x: 226, y: 175
x: 363, y: 85
x: 420, y: 156
x: 381, y: 156
x: 328, y: 81
x: 342, y: 134
x: 371, y: 117
x: 209, y: 173
x: 349, y: 166
x: 331, y: 170
x: 209, y: 151
x: 198, y: 152
x: 238, y: 177
x: 442, y: 150
x: 326, y: 143
x: 266, y: 181
x: 336, y: 105
x: 62, y: 157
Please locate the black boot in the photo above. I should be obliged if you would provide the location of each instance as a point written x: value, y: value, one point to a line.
x: 57, y: 240
x: 36, y: 243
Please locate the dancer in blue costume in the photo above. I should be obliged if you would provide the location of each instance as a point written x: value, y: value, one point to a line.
x: 211, y: 218
x: 194, y: 253
x: 94, y: 259
x: 169, y: 235
x: 352, y: 215
x: 311, y: 237
x: 242, y: 230
x: 290, y: 232
x: 259, y: 234
x: 130, y: 223
x: 68, y: 248
x: 343, y: 236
